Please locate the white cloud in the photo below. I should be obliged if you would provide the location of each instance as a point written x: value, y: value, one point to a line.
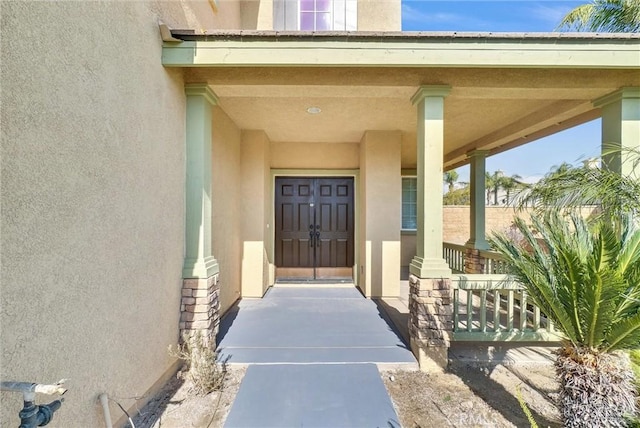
x: 549, y: 13
x: 422, y: 15
x: 414, y: 14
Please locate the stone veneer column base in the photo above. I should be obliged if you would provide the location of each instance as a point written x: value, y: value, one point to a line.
x: 473, y: 261
x: 430, y: 321
x: 200, y: 308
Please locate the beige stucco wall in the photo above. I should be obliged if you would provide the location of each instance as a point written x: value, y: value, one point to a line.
x: 226, y: 224
x: 407, y: 248
x: 409, y: 150
x: 200, y: 14
x: 256, y: 14
x: 256, y: 212
x: 315, y: 155
x: 380, y: 213
x: 379, y: 15
x: 93, y: 176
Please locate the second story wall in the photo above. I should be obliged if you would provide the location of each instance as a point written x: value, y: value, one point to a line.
x: 379, y: 15
x: 201, y: 14
x: 321, y: 15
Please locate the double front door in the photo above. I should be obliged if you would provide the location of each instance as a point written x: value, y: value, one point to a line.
x: 314, y: 228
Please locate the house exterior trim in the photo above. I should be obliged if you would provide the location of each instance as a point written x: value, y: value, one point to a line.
x: 464, y: 52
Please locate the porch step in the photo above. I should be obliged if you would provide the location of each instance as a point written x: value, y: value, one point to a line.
x: 306, y: 325
x: 479, y: 354
x: 313, y: 284
x: 387, y: 355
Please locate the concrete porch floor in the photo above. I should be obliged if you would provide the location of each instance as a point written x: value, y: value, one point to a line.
x: 308, y: 324
x: 313, y: 356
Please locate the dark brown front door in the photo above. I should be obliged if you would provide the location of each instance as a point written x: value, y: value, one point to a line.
x: 314, y: 228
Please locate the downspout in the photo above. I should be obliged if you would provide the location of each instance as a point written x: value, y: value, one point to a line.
x: 104, y: 400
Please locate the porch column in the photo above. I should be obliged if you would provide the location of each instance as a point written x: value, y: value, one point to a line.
x: 428, y: 262
x: 430, y: 319
x: 621, y: 128
x: 200, y: 291
x: 473, y: 263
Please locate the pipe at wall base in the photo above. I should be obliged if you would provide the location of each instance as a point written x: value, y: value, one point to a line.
x: 104, y: 400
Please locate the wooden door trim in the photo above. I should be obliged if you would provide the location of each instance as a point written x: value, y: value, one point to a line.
x: 319, y: 173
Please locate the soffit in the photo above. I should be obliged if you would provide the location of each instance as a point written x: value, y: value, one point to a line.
x: 489, y: 109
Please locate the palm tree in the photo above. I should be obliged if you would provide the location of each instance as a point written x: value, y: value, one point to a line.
x: 508, y: 184
x: 451, y: 177
x: 609, y: 16
x: 569, y: 188
x: 493, y: 183
x: 488, y: 184
x: 587, y: 281
x: 584, y: 274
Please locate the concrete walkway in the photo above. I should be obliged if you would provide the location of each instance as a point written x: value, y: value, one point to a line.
x: 312, y: 354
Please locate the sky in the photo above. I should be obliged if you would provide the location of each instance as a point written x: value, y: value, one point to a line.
x: 532, y: 160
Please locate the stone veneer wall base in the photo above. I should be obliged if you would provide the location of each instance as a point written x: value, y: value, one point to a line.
x: 473, y: 261
x: 430, y: 321
x: 200, y: 307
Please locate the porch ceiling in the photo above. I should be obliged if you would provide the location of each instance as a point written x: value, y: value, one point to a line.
x: 507, y: 90
x: 488, y: 109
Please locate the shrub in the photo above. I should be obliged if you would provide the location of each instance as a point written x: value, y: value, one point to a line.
x: 202, y: 369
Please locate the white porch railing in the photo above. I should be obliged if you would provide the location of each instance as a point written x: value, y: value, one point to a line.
x: 454, y: 255
x: 495, y: 308
x: 494, y: 263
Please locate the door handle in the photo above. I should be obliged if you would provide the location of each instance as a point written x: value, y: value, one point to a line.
x: 317, y: 235
x: 311, y: 235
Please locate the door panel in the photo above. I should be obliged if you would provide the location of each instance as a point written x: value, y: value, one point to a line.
x: 336, y: 221
x: 293, y: 217
x: 314, y: 226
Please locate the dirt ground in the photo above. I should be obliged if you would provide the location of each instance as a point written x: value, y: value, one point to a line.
x: 177, y: 407
x: 466, y: 396
x: 473, y: 397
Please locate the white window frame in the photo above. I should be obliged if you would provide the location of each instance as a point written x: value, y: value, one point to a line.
x: 286, y: 15
x: 402, y: 228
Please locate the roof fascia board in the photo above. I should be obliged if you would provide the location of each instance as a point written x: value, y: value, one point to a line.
x: 453, y: 53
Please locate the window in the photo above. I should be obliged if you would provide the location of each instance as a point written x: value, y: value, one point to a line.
x: 315, y: 15
x: 409, y: 203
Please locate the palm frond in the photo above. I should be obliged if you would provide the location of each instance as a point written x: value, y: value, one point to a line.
x: 580, y: 276
x: 532, y: 264
x: 578, y: 187
x: 624, y: 334
x: 630, y: 251
x: 577, y: 19
x: 604, y: 16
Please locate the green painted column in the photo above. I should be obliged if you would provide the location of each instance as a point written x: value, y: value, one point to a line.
x: 428, y: 262
x: 199, y: 262
x: 477, y: 190
x: 621, y: 128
